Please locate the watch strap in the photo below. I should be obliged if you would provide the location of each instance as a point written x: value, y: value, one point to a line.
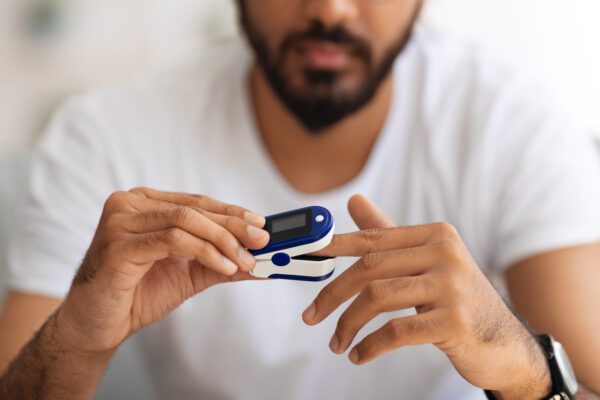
x: 545, y: 342
x: 561, y: 396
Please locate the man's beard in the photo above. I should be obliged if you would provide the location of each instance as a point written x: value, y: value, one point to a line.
x: 316, y: 112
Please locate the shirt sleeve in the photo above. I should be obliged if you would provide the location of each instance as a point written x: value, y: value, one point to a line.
x: 550, y: 193
x: 69, y: 179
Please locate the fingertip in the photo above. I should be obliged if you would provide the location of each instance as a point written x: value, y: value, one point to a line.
x: 358, y: 203
x: 264, y: 241
x: 356, y: 199
x: 366, y: 214
x: 248, y: 261
x: 354, y: 357
x: 309, y: 314
x: 334, y: 344
x: 255, y: 219
x: 229, y: 267
x: 257, y: 235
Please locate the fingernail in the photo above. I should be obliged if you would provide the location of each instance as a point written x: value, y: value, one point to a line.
x: 256, y: 233
x: 229, y: 265
x: 334, y: 343
x: 353, y: 356
x: 254, y: 219
x: 310, y: 312
x: 246, y: 258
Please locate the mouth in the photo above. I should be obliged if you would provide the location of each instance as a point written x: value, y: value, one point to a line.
x: 324, y: 55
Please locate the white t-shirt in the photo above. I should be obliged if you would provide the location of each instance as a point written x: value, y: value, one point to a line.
x: 465, y: 142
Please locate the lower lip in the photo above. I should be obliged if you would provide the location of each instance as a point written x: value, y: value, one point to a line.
x: 325, y: 56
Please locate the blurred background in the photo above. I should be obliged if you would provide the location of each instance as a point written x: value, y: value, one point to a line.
x: 52, y: 48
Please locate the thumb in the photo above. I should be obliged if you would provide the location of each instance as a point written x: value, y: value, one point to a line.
x: 367, y: 215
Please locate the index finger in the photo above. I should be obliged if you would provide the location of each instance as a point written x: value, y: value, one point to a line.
x: 204, y: 202
x: 360, y: 243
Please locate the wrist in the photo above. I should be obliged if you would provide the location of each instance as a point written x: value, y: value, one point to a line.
x: 49, y: 367
x: 533, y: 380
x: 67, y: 337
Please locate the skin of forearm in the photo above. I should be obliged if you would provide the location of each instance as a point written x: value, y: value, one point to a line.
x: 48, y: 368
x: 584, y: 392
x: 587, y: 394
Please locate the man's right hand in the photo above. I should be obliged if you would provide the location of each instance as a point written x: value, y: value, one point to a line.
x: 152, y: 251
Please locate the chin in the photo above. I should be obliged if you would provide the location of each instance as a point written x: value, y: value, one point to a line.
x: 323, y: 83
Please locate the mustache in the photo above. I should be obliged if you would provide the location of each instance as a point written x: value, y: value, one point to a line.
x: 338, y: 35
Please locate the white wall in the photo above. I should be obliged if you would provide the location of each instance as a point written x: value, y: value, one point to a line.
x: 557, y: 40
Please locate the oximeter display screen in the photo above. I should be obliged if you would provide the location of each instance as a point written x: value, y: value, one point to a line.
x: 289, y: 226
x: 287, y: 223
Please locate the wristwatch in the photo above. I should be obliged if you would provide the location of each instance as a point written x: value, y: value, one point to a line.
x: 564, y: 382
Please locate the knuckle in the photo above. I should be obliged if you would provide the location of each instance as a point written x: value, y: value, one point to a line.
x: 151, y: 216
x: 371, y: 237
x: 375, y: 292
x: 395, y: 330
x: 139, y: 190
x: 233, y: 210
x: 173, y: 236
x: 445, y: 231
x: 207, y: 248
x: 370, y: 261
x: 198, y: 211
x: 402, y: 329
x: 204, y: 247
x: 402, y: 284
x: 200, y: 200
x: 448, y: 252
x: 112, y: 222
x: 199, y: 197
x: 116, y: 199
x: 141, y: 242
x: 182, y: 216
x: 432, y: 285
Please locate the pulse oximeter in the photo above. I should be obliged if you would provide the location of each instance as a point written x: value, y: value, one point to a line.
x: 294, y: 234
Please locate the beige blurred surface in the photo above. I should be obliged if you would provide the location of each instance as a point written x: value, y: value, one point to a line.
x: 90, y: 43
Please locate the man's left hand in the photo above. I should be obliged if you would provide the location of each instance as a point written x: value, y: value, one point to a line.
x: 430, y: 269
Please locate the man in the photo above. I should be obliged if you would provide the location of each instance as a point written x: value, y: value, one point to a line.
x: 337, y: 97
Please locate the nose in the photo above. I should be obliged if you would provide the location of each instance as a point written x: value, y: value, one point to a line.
x: 331, y: 12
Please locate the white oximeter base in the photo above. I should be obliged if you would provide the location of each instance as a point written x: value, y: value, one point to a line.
x: 293, y: 235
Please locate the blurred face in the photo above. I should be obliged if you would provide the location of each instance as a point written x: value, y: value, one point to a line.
x: 325, y: 59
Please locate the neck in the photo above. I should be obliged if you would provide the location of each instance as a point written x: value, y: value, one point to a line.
x: 314, y: 163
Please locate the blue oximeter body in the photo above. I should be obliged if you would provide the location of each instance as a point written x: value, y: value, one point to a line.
x: 293, y: 235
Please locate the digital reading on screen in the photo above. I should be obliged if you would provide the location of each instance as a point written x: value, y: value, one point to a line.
x: 287, y: 223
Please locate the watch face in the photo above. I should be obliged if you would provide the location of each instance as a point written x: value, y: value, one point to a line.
x: 565, y: 367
